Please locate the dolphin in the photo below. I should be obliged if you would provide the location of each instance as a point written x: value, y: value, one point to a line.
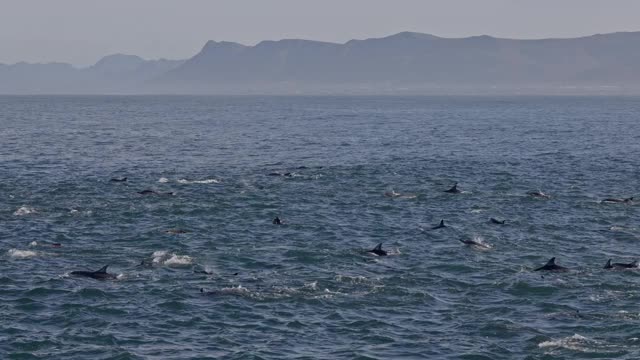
x: 177, y: 231
x: 152, y: 192
x: 123, y: 179
x: 277, y: 173
x: 538, y: 194
x: 453, y: 190
x: 144, y: 263
x: 496, y: 221
x: 439, y: 226
x: 205, y: 272
x: 551, y: 266
x: 617, y: 200
x: 378, y: 250
x: 475, y: 243
x: 630, y: 265
x: 101, y: 274
x: 391, y: 194
x: 277, y: 221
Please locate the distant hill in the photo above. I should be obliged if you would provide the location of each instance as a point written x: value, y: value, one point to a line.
x: 112, y: 74
x: 403, y: 63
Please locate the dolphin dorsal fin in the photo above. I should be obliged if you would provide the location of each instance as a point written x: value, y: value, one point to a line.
x: 103, y: 269
x: 442, y: 222
x: 551, y: 261
x: 379, y: 247
x: 608, y: 265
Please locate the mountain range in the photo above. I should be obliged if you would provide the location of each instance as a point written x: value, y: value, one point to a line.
x: 404, y: 63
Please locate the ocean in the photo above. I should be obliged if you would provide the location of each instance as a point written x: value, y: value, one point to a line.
x: 203, y: 273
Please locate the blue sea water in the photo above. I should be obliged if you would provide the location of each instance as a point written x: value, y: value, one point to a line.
x: 308, y: 289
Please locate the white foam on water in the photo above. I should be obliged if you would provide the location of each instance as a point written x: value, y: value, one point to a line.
x: 312, y: 285
x: 170, y: 259
x: 21, y: 254
x: 33, y: 243
x: 206, y: 181
x: 483, y: 244
x: 392, y: 193
x: 163, y: 180
x: 235, y: 290
x: 578, y: 343
x: 328, y: 294
x: 178, y: 260
x: 210, y: 270
x: 351, y: 279
x: 394, y: 252
x: 159, y: 253
x: 24, y: 210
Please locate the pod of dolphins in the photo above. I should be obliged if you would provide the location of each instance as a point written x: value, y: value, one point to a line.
x: 551, y: 265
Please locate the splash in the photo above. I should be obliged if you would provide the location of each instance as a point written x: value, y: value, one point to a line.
x: 170, y: 259
x: 578, y: 343
x: 206, y: 181
x: 24, y: 210
x: 21, y: 254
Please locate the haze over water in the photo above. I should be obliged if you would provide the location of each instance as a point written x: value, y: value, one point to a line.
x: 308, y: 289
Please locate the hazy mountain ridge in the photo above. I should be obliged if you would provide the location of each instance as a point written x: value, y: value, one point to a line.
x: 406, y: 62
x: 112, y: 74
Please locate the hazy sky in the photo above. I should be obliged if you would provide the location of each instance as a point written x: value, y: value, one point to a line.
x: 82, y: 31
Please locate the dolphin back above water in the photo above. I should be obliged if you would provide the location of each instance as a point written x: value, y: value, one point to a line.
x: 539, y: 194
x: 630, y: 265
x: 153, y: 192
x: 453, y: 190
x: 101, y: 274
x: 378, y: 250
x: 617, y: 200
x: 475, y: 243
x: 439, y: 226
x: 551, y: 266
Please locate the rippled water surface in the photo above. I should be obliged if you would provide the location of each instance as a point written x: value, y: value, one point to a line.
x: 308, y: 289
